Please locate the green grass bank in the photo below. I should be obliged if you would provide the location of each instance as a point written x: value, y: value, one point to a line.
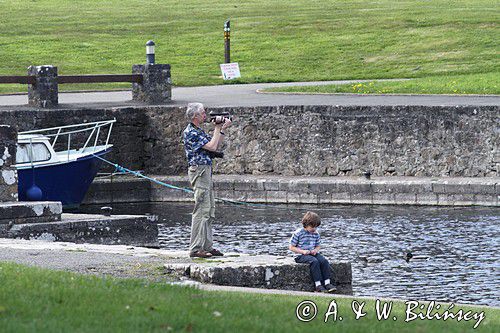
x: 273, y: 41
x: 480, y: 84
x: 36, y: 300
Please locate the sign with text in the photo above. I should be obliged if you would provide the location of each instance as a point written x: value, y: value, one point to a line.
x: 230, y: 71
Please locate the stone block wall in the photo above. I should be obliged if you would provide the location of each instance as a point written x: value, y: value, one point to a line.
x: 341, y: 141
x: 345, y: 141
x: 8, y: 174
x: 304, y: 140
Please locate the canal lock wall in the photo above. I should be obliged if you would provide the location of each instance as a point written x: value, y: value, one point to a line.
x: 414, y: 141
x: 315, y: 154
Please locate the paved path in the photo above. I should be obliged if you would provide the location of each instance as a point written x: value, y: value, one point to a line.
x: 247, y: 95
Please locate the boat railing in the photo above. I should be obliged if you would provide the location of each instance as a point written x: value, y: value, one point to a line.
x: 94, y: 128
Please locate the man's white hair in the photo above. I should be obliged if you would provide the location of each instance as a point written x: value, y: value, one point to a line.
x: 193, y: 109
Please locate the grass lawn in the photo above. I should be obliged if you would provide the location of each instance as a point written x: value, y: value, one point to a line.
x: 273, y: 41
x: 36, y: 300
x: 459, y: 84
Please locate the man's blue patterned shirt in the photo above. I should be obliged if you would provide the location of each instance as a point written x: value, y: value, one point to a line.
x: 194, y: 139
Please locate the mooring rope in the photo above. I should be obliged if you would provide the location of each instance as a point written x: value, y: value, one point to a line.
x: 123, y: 170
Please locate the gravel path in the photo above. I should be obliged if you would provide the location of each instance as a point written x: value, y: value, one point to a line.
x: 247, y: 95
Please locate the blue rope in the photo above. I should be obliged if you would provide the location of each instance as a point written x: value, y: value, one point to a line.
x: 120, y: 169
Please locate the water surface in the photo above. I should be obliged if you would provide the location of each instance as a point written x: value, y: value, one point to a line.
x: 455, y: 249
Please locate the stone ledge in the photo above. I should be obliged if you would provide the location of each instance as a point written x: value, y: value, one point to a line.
x: 260, y: 271
x: 30, y: 212
x: 86, y: 228
x: 456, y: 191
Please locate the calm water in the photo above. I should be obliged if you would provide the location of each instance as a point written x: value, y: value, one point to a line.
x: 458, y: 246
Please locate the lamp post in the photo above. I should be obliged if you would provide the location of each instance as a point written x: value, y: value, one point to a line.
x: 150, y: 52
x: 227, y: 48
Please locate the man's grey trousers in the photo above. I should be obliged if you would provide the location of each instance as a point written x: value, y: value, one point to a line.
x: 200, y: 177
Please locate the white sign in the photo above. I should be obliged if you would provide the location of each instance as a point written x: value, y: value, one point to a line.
x: 230, y: 71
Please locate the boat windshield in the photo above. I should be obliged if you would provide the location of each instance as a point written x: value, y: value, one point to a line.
x: 38, y: 151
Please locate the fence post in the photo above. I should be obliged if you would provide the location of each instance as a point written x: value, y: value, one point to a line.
x: 44, y: 93
x: 156, y: 87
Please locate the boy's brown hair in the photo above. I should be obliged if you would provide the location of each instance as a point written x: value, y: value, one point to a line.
x: 311, y: 219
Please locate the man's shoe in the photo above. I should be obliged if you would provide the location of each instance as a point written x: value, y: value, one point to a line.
x: 330, y: 288
x: 200, y: 254
x: 216, y: 253
x: 321, y: 289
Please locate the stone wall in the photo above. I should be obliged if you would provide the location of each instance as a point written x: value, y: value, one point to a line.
x: 305, y: 140
x: 8, y: 174
x: 342, y: 141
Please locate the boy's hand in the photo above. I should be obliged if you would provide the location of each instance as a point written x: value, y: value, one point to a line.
x: 306, y: 252
x: 313, y: 252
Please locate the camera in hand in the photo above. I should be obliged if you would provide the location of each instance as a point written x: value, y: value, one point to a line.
x: 214, y: 154
x: 219, y: 117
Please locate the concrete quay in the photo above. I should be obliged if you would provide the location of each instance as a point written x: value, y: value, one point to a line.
x: 233, y: 269
x: 85, y: 228
x: 260, y: 271
x: 275, y: 189
x: 15, y: 212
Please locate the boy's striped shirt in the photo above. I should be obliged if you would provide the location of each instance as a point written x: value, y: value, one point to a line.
x: 305, y: 240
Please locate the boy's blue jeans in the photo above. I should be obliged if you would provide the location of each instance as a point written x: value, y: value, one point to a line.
x: 319, y: 266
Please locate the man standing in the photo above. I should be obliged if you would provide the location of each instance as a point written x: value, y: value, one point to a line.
x: 198, y: 146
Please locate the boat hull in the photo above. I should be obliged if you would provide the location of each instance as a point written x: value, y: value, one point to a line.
x: 66, y: 182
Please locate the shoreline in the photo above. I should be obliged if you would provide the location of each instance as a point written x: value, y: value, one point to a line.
x: 121, y: 261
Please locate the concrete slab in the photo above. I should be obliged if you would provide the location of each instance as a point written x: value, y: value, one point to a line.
x: 86, y: 228
x: 15, y: 212
x: 260, y: 271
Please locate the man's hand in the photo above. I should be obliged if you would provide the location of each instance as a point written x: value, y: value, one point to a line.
x: 313, y: 252
x: 226, y: 123
x: 306, y: 252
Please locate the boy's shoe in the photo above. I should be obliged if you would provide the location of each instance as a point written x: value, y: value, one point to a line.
x: 321, y: 289
x: 200, y: 254
x: 330, y: 288
x: 216, y: 253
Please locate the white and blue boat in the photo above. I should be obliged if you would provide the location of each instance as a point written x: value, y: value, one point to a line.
x: 50, y: 168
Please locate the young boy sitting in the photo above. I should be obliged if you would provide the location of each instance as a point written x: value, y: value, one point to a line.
x: 305, y: 242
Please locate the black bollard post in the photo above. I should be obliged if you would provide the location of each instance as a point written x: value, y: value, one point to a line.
x: 150, y: 52
x: 227, y: 40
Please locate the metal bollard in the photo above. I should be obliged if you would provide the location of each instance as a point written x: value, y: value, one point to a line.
x: 150, y: 52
